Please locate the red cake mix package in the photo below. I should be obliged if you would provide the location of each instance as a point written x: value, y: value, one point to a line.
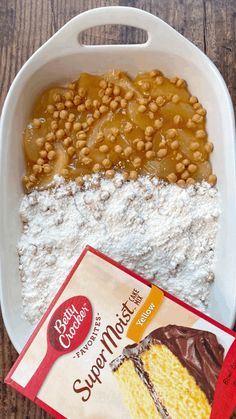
x: 111, y: 345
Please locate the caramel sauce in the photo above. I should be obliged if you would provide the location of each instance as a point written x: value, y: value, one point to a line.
x: 148, y: 125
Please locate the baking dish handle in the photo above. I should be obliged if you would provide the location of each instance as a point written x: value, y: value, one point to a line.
x: 157, y: 30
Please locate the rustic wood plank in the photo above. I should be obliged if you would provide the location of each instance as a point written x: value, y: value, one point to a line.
x: 27, y: 24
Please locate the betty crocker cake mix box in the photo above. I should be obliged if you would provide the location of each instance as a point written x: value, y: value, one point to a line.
x: 112, y: 346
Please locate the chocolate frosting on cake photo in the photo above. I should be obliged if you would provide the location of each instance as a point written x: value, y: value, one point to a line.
x: 171, y: 373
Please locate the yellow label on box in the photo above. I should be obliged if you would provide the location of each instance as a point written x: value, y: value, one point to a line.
x: 145, y: 314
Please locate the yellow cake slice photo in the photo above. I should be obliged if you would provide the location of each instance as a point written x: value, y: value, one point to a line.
x: 171, y: 373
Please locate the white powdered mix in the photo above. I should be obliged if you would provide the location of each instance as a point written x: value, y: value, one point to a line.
x: 164, y: 233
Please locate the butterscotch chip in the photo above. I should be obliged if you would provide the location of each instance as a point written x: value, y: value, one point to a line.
x: 179, y: 167
x: 71, y: 151
x: 40, y: 142
x: 158, y: 123
x: 128, y: 127
x: 171, y: 133
x: 200, y: 133
x: 97, y: 167
x: 63, y: 114
x: 125, y: 175
x: 161, y: 153
x: 81, y: 108
x: 116, y: 91
x: 90, y: 121
x: 43, y: 154
x: 81, y: 135
x: 40, y: 161
x: 85, y: 151
x: 190, y: 124
x: 142, y: 108
x: 79, y: 180
x: 153, y: 107
x: 51, y: 155
x: 194, y: 146
x: 37, y: 168
x: 133, y: 175
x: 212, y: 179
x: 148, y: 138
x: 106, y: 99
x: 197, y: 118
x: 208, y: 147
x: 192, y: 168
x: 80, y: 143
x: 56, y: 114
x: 29, y: 185
x: 104, y: 148
x: 201, y: 111
x: 185, y: 175
x: 77, y: 100
x: 47, y: 168
x: 96, y: 114
x: 178, y: 156
x: 108, y: 91
x: 123, y: 103
x: 86, y: 161
x: 177, y: 119
x: 172, y: 178
x: 106, y: 163
x: 159, y: 80
x: 148, y: 146
x: 173, y: 80
x: 56, y: 97
x: 175, y: 98
x: 180, y: 83
x: 128, y: 151
x: 103, y: 109
x: 149, y: 131
x: 174, y: 145
x: 190, y: 181
x: 160, y: 101
x: 48, y: 146
x: 113, y: 105
x: 150, y: 154
x: 99, y: 137
x: 50, y: 136
x: 69, y: 104
x: 50, y: 109
x: 181, y: 183
x: 193, y: 100
x: 32, y: 178
x: 60, y: 134
x: 197, y: 155
x: 129, y: 95
x: 60, y: 106
x: 118, y: 149
x: 110, y: 174
x: 140, y: 145
x: 36, y: 123
x: 115, y: 131
x: 68, y: 126
x: 137, y: 162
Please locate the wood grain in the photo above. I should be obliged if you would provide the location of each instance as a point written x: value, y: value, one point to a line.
x: 27, y: 24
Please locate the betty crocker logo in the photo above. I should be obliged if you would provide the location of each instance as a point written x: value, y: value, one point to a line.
x: 70, y: 324
x: 67, y: 329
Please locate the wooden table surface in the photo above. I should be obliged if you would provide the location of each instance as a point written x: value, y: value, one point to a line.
x: 27, y: 24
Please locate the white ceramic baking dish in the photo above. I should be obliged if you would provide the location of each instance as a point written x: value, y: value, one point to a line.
x: 61, y: 59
